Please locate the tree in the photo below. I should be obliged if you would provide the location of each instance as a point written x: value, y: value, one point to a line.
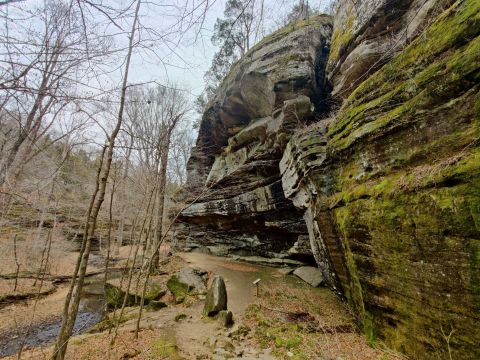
x: 72, y: 300
x: 40, y: 71
x: 234, y: 34
x: 300, y: 11
x: 154, y: 115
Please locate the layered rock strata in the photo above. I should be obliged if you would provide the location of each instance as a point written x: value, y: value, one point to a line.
x: 234, y: 178
x: 390, y: 187
x: 388, y: 184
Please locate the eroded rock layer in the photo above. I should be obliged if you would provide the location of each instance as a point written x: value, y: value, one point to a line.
x: 388, y: 185
x: 234, y: 178
x: 391, y: 191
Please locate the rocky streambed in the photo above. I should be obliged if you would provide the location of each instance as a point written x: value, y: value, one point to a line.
x: 44, y: 333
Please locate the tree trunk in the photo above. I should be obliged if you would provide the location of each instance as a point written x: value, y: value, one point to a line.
x: 161, y: 200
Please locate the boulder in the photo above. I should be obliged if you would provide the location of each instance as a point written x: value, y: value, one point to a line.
x: 155, y: 305
x: 216, y: 300
x: 179, y: 290
x: 241, y: 138
x: 311, y: 275
x: 194, y: 279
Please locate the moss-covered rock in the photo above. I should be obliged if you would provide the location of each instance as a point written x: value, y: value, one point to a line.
x: 178, y: 289
x: 114, y: 297
x: 392, y: 192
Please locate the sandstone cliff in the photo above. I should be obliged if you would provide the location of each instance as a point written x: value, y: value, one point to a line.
x: 388, y: 186
x: 276, y: 88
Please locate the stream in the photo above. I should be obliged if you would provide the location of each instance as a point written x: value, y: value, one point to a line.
x: 43, y: 334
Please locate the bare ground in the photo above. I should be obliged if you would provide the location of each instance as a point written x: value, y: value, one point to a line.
x: 288, y: 320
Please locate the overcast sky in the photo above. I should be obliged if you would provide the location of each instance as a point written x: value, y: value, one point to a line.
x: 193, y: 57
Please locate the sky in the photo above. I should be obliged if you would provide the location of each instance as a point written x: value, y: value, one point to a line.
x: 192, y: 59
x: 165, y: 57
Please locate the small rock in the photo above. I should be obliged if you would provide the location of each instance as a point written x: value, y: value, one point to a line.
x: 240, y: 332
x: 130, y: 354
x: 180, y: 317
x: 239, y: 352
x: 154, y: 305
x: 225, y: 317
x: 289, y: 354
x: 216, y: 297
x: 286, y: 271
x: 212, y: 342
x: 311, y: 275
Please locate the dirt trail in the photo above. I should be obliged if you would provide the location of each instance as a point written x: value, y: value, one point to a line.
x: 238, y: 277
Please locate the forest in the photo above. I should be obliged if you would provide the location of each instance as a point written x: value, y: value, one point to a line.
x: 315, y: 162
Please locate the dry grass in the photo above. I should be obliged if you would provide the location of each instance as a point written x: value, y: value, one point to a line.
x: 97, y: 347
x: 292, y: 317
x: 25, y: 287
x: 29, y: 252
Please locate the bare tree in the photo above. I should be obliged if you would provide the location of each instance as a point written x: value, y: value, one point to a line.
x: 73, y: 297
x: 40, y: 69
x: 155, y: 114
x: 182, y: 142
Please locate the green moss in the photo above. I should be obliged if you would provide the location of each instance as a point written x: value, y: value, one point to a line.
x: 432, y: 66
x: 321, y: 19
x: 180, y: 317
x: 114, y: 297
x: 110, y: 321
x: 154, y: 292
x: 155, y: 305
x: 178, y: 289
x: 404, y: 163
x: 342, y: 37
x: 395, y: 233
x: 165, y: 347
x: 354, y: 290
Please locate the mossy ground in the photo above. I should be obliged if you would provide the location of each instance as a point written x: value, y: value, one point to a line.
x: 292, y: 317
x: 111, y: 320
x: 165, y: 347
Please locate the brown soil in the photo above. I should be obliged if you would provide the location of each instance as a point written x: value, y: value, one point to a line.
x: 289, y: 320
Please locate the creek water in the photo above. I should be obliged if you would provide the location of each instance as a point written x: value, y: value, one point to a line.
x: 43, y: 334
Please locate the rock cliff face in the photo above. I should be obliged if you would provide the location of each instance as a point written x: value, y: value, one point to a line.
x: 234, y: 177
x: 388, y: 186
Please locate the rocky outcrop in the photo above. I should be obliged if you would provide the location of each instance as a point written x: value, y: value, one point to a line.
x: 233, y: 174
x: 368, y: 33
x: 388, y: 184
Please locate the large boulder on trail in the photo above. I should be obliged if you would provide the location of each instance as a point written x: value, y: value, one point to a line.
x: 186, y: 281
x: 216, y: 300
